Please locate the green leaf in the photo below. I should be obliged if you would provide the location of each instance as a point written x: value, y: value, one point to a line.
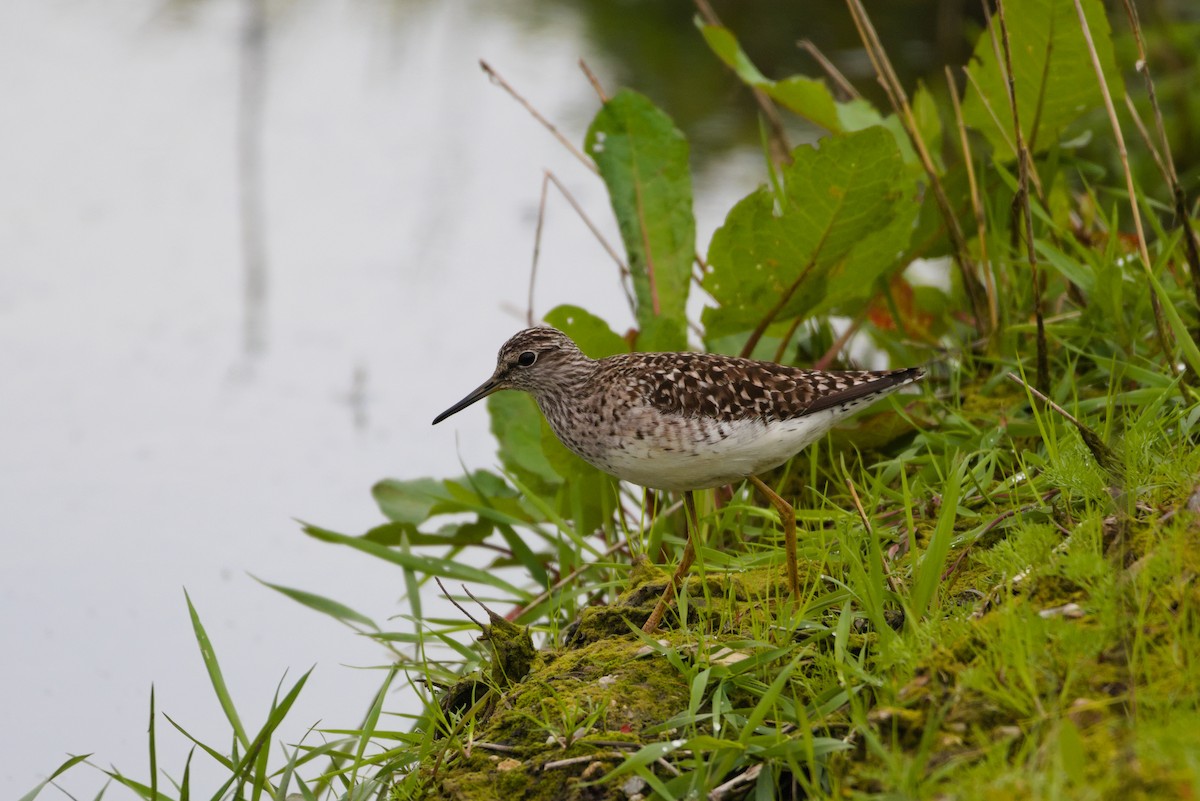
x: 929, y: 124
x: 804, y: 96
x: 590, y: 333
x: 846, y: 214
x: 64, y: 767
x: 856, y: 115
x: 517, y: 426
x: 407, y: 501
x: 929, y: 571
x: 427, y: 565
x: 1054, y: 79
x: 643, y: 159
x: 456, y: 535
x: 209, y: 655
x: 319, y: 603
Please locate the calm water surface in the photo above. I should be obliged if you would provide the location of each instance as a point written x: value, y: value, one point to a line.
x: 241, y: 269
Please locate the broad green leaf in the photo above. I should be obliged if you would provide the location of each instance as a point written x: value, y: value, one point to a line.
x: 643, y: 159
x: 846, y: 215
x: 517, y: 426
x: 590, y: 333
x: 407, y: 501
x: 856, y: 115
x: 1052, y: 71
x: 806, y: 97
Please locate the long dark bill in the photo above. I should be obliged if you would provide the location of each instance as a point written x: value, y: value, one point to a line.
x: 485, y: 389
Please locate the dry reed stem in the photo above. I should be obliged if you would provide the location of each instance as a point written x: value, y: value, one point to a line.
x: 899, y: 100
x: 1166, y: 163
x: 839, y: 80
x: 1022, y: 201
x: 1159, y: 323
x: 976, y: 201
x: 497, y: 79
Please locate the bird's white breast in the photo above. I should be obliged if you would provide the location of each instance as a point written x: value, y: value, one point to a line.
x: 687, y: 454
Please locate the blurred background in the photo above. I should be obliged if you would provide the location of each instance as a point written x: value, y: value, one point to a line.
x: 248, y: 250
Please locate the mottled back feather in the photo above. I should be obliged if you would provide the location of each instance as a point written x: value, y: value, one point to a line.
x: 726, y: 388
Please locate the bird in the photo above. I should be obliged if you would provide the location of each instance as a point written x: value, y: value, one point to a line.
x: 682, y: 421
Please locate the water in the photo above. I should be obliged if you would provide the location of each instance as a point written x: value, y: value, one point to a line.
x: 178, y: 385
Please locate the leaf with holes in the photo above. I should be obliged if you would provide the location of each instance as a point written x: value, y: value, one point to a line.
x: 643, y: 159
x: 846, y: 214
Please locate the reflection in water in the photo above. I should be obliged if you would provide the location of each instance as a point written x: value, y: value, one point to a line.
x: 252, y: 74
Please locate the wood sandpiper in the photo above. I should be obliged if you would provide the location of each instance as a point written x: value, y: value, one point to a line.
x: 682, y: 421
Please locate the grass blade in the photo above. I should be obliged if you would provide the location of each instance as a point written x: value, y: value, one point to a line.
x: 428, y: 565
x: 209, y: 655
x: 929, y: 572
x: 61, y: 769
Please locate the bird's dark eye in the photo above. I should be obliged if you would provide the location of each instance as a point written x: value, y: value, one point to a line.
x: 527, y: 358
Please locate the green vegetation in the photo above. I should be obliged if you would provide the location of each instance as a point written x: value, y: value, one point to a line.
x: 999, y: 575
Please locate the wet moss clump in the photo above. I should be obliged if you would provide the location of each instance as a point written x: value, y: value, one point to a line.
x: 583, y: 708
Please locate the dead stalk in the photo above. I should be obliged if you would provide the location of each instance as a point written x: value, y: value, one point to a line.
x: 839, y: 80
x: 891, y: 84
x: 1022, y: 201
x: 537, y: 248
x: 1159, y: 323
x: 1166, y: 162
x: 622, y: 267
x: 976, y: 201
x: 497, y: 79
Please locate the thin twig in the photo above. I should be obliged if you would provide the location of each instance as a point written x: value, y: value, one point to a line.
x: 1159, y: 323
x: 457, y: 605
x: 563, y: 763
x: 1145, y: 134
x: 612, y: 252
x: 497, y: 79
x: 839, y: 80
x: 723, y: 791
x: 667, y: 766
x: 594, y: 81
x: 252, y: 88
x: 995, y: 40
x: 484, y: 606
x: 537, y: 248
x: 1104, y: 455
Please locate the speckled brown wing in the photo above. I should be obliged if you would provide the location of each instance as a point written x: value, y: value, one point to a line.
x: 726, y: 388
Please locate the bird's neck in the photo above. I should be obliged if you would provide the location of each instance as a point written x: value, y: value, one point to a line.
x: 559, y: 399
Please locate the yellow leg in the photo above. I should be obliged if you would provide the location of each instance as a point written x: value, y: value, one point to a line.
x: 788, y: 516
x: 689, y: 556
